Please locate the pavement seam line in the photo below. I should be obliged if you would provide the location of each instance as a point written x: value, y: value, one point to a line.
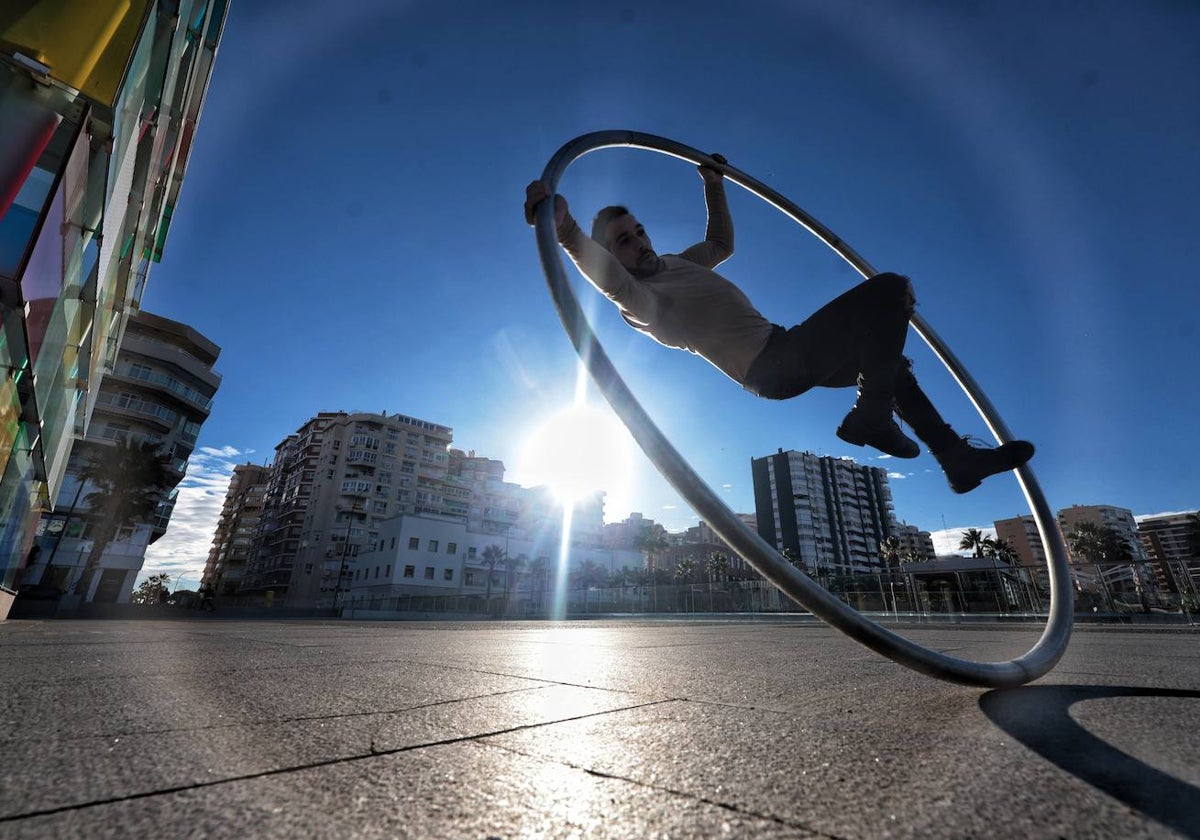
x: 302, y: 718
x: 737, y: 809
x: 315, y: 765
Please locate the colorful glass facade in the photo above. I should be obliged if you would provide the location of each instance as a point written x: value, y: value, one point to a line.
x: 99, y: 101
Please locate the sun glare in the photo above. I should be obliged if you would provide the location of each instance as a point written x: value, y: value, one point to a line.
x: 578, y: 451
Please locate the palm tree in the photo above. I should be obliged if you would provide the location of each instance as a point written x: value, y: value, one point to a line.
x: 537, y: 576
x: 717, y: 566
x: 512, y: 569
x: 129, y: 481
x: 973, y: 541
x: 890, y: 552
x: 652, y: 542
x: 492, y: 555
x: 685, y: 568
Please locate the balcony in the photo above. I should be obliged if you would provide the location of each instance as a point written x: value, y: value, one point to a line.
x: 167, y: 383
x: 126, y: 404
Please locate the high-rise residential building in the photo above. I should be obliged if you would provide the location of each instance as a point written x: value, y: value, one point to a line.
x: 99, y: 104
x: 233, y: 541
x: 916, y: 546
x: 1021, y: 532
x: 832, y: 513
x: 1172, y: 542
x: 159, y: 391
x: 341, y: 475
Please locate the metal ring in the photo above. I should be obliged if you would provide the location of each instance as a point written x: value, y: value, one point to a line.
x: 1035, y: 662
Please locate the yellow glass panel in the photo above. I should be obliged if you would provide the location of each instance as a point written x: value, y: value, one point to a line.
x: 85, y: 43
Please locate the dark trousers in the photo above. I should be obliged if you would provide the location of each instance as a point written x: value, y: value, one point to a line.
x: 860, y: 333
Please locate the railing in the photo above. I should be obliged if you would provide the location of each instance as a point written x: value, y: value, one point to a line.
x: 981, y: 592
x: 171, y: 384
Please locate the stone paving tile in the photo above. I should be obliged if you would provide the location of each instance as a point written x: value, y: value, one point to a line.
x: 450, y: 791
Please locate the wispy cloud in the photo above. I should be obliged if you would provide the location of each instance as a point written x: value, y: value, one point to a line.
x: 898, y: 475
x: 946, y: 541
x: 183, y: 550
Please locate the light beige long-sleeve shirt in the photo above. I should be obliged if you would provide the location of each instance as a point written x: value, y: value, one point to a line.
x: 685, y: 304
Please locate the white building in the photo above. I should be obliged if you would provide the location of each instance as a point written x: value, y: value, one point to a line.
x: 426, y: 554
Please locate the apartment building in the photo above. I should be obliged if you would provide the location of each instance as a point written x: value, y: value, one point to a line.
x: 99, y: 105
x: 832, y: 513
x: 915, y: 545
x: 233, y: 540
x: 159, y: 391
x: 340, y: 476
x: 1021, y: 532
x: 1172, y: 542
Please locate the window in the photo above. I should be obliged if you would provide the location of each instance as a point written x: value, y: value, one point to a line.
x: 471, y: 551
x: 387, y: 573
x: 377, y: 572
x: 393, y: 542
x: 433, y: 545
x: 451, y: 548
x: 469, y: 578
x: 414, y: 543
x: 409, y: 571
x: 429, y: 573
x: 448, y: 574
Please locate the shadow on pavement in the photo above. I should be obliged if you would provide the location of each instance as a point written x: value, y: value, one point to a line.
x: 1039, y: 717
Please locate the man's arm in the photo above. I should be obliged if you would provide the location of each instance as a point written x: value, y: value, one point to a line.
x: 718, y: 238
x: 594, y: 261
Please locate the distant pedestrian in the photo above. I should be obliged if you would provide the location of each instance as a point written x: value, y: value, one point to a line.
x: 206, y: 599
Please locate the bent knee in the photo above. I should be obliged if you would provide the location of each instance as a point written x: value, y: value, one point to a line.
x: 894, y: 287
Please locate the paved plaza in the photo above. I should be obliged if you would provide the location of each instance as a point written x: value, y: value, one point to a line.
x: 209, y: 727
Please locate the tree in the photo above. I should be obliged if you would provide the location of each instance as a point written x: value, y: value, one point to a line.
x: 1102, y: 546
x: 652, y: 542
x: 538, y: 576
x: 129, y: 481
x: 492, y: 556
x: 890, y: 552
x: 973, y: 541
x: 717, y: 566
x: 153, y: 590
x: 685, y: 568
x: 512, y: 569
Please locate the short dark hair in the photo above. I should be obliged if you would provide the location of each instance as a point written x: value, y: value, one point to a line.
x: 600, y: 223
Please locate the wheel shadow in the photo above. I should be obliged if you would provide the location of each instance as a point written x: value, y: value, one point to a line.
x: 1039, y: 717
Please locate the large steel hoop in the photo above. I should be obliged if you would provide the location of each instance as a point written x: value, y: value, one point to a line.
x: 1035, y: 662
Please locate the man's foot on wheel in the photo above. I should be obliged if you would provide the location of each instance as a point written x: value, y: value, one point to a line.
x: 966, y: 466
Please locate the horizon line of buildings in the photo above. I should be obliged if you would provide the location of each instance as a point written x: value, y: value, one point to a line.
x: 377, y: 505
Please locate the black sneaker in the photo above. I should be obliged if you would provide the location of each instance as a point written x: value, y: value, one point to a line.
x: 867, y: 428
x: 966, y: 466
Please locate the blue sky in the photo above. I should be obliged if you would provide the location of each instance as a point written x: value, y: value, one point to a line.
x: 350, y: 229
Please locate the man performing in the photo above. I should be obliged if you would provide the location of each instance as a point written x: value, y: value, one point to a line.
x: 857, y: 339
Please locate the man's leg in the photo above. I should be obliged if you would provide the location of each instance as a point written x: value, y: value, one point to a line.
x: 965, y: 465
x: 863, y: 331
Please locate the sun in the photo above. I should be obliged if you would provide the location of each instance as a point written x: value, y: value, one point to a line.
x: 578, y: 451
